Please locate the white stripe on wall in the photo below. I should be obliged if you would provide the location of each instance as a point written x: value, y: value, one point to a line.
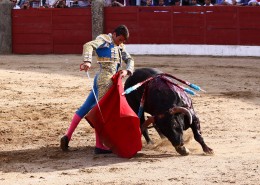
x: 186, y: 49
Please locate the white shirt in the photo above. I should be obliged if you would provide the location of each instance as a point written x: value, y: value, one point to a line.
x: 50, y: 2
x: 16, y: 7
x: 208, y: 5
x: 228, y: 1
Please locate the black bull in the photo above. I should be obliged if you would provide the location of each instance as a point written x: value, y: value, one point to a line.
x: 171, y: 110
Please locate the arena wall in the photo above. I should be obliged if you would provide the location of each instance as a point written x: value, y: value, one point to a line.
x: 47, y: 31
x: 217, y: 30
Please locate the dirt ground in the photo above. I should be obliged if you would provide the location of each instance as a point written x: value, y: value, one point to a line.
x: 40, y: 93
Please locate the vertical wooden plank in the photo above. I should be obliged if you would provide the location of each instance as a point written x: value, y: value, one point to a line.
x: 249, y: 25
x: 188, y: 25
x: 154, y: 23
x: 115, y: 16
x: 32, y: 33
x: 221, y: 25
x: 71, y: 29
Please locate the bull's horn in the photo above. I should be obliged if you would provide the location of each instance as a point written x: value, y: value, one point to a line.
x: 147, y: 123
x: 181, y: 110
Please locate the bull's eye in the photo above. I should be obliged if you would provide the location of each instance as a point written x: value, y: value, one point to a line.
x: 174, y: 125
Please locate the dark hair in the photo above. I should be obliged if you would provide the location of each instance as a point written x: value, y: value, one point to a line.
x: 122, y: 30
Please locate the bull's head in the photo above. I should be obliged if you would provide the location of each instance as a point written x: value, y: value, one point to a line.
x: 171, y: 124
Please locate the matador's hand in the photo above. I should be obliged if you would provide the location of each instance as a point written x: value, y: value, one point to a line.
x: 123, y: 73
x: 85, y: 66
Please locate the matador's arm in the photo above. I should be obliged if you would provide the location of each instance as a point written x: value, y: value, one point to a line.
x: 90, y: 46
x: 126, y: 57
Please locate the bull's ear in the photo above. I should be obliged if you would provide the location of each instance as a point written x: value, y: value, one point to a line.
x: 147, y: 122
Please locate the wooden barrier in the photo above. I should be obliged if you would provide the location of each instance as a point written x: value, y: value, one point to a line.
x: 188, y: 25
x: 249, y: 25
x: 218, y: 25
x: 56, y: 31
x: 44, y: 31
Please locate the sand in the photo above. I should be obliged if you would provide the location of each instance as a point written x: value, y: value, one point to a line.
x: 40, y: 93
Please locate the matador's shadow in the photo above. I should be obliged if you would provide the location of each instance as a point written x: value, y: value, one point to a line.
x: 48, y: 159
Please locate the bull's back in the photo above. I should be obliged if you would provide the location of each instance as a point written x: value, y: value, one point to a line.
x: 139, y: 75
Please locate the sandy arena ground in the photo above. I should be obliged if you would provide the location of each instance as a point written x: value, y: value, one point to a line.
x: 40, y: 93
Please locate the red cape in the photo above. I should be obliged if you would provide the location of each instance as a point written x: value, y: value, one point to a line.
x: 120, y: 128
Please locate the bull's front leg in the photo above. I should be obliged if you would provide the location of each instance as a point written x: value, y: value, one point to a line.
x: 159, y: 132
x: 145, y: 131
x: 195, y: 126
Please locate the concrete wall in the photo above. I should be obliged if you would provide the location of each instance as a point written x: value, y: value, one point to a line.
x: 97, y: 10
x: 5, y: 27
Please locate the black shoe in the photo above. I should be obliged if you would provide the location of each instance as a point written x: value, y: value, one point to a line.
x: 101, y: 151
x: 64, y: 143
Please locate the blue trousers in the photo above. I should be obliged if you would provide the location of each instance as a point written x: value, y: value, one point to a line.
x: 90, y: 101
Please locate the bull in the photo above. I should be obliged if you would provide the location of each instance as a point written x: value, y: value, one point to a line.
x: 170, y: 108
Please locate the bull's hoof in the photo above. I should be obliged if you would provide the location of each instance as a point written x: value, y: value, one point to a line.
x: 208, y: 151
x: 182, y: 150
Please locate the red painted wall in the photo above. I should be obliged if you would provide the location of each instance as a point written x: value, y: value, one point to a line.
x: 44, y: 31
x: 66, y: 30
x: 227, y: 25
